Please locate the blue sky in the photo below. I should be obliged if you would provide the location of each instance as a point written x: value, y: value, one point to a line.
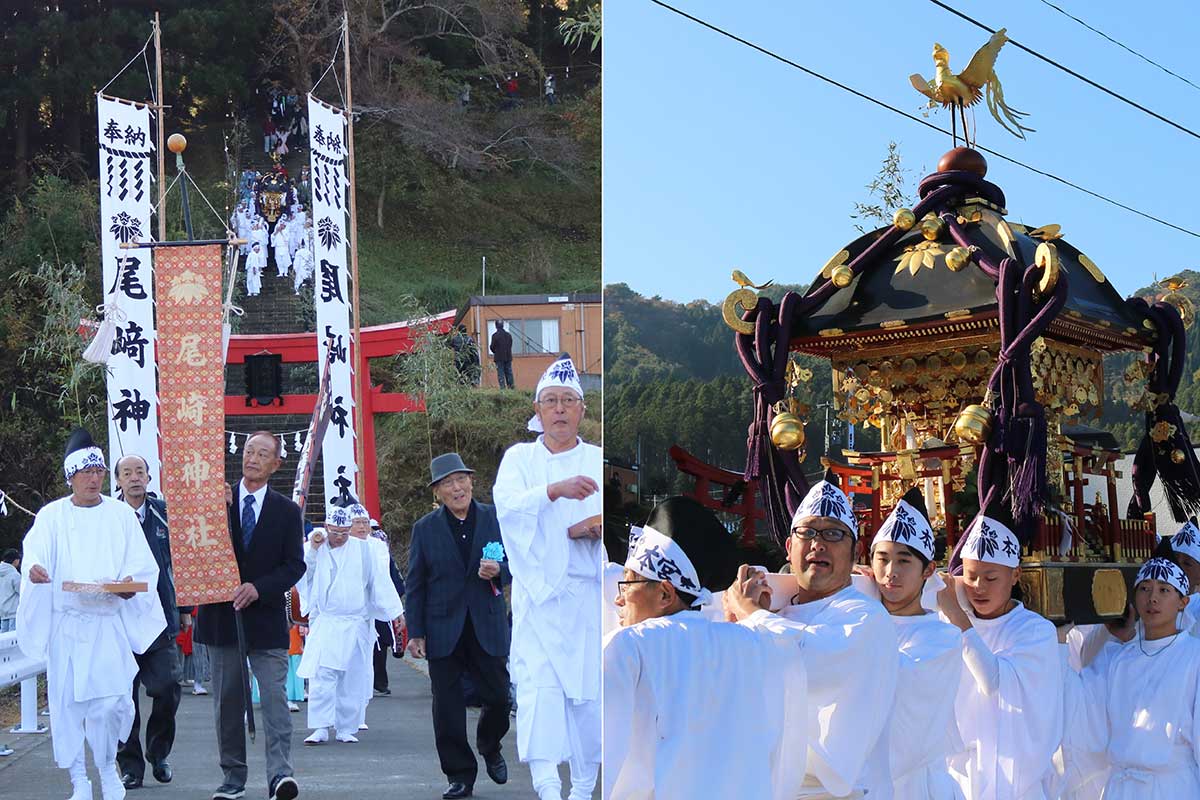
x: 717, y: 157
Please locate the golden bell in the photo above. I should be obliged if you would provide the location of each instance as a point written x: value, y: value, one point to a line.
x: 904, y: 219
x: 974, y: 424
x: 957, y: 258
x: 842, y: 275
x: 1178, y: 456
x: 787, y: 431
x: 932, y: 227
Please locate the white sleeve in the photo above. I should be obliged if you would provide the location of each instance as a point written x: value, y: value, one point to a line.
x: 36, y: 600
x: 622, y: 671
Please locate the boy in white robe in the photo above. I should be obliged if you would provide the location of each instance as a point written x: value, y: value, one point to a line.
x: 1184, y: 549
x: 681, y: 690
x: 281, y: 247
x: 923, y: 733
x: 548, y: 504
x: 1140, y: 702
x: 1010, y: 701
x: 849, y: 646
x: 341, y: 586
x: 256, y: 262
x: 303, y: 265
x: 87, y: 639
x: 260, y: 234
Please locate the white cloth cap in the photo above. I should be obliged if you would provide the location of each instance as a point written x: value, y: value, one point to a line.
x: 660, y: 558
x: 1187, y: 540
x: 337, y: 517
x: 83, y: 459
x: 825, y: 499
x: 560, y: 373
x: 1160, y: 569
x: 908, y: 526
x: 992, y: 541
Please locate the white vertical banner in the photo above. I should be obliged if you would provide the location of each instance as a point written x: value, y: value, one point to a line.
x: 330, y: 212
x: 127, y: 174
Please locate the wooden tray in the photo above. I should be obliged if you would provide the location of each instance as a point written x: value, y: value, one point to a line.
x: 105, y: 588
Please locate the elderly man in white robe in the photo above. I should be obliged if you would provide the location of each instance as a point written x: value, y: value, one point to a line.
x: 1010, y: 703
x: 682, y: 690
x: 342, y: 585
x: 548, y: 502
x: 87, y: 638
x: 849, y: 646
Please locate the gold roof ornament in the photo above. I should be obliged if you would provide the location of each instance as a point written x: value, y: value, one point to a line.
x: 977, y: 81
x: 1181, y: 302
x: 745, y: 297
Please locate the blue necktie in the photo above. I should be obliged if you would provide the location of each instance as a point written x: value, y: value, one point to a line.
x: 247, y: 521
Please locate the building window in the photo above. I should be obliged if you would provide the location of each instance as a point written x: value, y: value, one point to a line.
x: 530, y: 336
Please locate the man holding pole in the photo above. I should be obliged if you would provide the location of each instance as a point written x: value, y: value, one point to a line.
x: 268, y: 541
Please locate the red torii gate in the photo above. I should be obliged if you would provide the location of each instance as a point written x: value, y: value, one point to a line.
x: 299, y: 348
x: 706, y: 476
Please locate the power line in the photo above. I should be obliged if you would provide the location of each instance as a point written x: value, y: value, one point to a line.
x: 1104, y: 35
x: 1070, y: 71
x: 926, y: 123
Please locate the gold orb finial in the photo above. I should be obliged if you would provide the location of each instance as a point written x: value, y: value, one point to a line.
x: 176, y: 143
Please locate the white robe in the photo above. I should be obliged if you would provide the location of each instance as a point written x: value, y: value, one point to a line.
x: 343, y: 590
x: 87, y: 641
x: 610, y: 614
x: 850, y: 653
x: 256, y: 262
x: 923, y: 733
x: 302, y: 266
x: 682, y: 692
x: 1010, y: 707
x: 283, y: 253
x: 381, y: 560
x: 555, y: 655
x: 1142, y: 710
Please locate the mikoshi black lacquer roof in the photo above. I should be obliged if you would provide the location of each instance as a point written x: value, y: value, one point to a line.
x: 906, y: 290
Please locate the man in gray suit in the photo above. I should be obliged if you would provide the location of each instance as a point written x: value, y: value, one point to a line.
x: 458, y: 619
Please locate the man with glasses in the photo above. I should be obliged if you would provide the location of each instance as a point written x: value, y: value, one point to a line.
x: 549, y: 504
x: 849, y: 644
x: 457, y: 619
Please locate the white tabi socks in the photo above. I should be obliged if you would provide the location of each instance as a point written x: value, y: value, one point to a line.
x: 583, y: 781
x: 79, y: 780
x: 111, y: 787
x: 546, y: 782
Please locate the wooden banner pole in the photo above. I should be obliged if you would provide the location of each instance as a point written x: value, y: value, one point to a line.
x: 359, y: 360
x: 162, y: 160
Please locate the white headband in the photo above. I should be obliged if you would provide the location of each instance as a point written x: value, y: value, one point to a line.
x: 337, y: 516
x: 993, y: 542
x: 906, y: 525
x: 826, y: 500
x: 1160, y: 569
x: 660, y: 558
x: 560, y: 373
x: 1187, y: 540
x: 358, y: 511
x: 83, y: 459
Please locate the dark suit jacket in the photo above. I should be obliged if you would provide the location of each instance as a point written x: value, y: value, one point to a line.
x: 154, y: 526
x: 274, y: 564
x: 442, y: 590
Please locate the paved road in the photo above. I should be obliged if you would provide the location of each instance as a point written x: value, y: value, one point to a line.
x: 395, y: 759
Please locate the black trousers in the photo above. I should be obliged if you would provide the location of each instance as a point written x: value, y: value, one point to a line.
x: 383, y: 642
x: 158, y: 671
x: 489, y: 674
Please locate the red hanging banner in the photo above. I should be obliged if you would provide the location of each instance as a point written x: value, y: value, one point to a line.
x: 191, y: 388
